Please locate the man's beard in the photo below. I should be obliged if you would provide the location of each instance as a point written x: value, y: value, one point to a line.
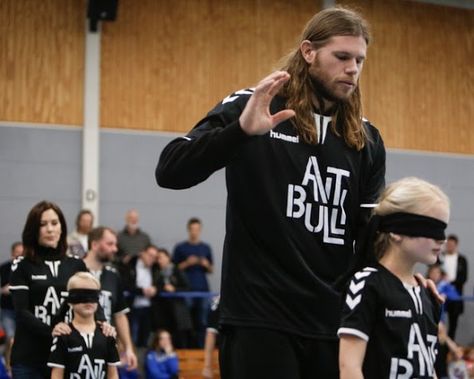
x: 104, y: 259
x: 322, y: 92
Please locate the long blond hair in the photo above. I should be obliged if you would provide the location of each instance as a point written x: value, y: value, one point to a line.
x: 299, y: 90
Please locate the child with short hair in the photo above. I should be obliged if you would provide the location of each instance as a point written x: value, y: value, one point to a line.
x: 389, y: 322
x: 86, y: 352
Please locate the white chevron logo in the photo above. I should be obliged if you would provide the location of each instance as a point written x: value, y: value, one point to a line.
x: 362, y: 274
x: 352, y: 302
x: 356, y: 287
x: 230, y: 99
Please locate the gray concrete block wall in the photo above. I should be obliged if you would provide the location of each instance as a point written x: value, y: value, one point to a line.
x: 45, y: 163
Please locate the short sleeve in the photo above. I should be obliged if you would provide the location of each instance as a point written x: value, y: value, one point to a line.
x: 19, y: 277
x: 359, y: 308
x: 121, y: 305
x: 209, y: 254
x: 113, y: 358
x: 58, y: 354
x: 374, y: 174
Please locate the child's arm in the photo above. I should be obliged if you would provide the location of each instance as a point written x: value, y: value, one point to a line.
x: 57, y: 373
x: 112, y: 372
x: 351, y: 356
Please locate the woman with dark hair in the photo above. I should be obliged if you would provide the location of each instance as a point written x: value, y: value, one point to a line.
x: 38, y: 286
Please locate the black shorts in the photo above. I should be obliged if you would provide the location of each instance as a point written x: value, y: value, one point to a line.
x: 254, y: 353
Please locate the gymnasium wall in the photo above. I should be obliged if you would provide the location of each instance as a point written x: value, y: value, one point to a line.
x: 31, y: 170
x: 165, y: 63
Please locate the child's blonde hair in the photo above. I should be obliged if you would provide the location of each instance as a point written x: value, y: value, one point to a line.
x: 82, y: 275
x: 410, y: 195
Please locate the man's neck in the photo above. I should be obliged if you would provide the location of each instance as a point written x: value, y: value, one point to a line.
x: 323, y: 106
x: 92, y: 262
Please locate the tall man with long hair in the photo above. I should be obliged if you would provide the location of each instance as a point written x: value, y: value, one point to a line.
x: 303, y: 169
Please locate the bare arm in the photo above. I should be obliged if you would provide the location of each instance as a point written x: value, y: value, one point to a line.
x: 57, y: 373
x: 111, y: 372
x: 351, y: 357
x: 123, y: 331
x: 209, y: 346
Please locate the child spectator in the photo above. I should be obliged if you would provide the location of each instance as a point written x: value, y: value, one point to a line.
x: 162, y: 362
x: 86, y: 352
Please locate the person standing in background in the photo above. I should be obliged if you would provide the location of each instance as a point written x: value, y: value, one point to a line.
x: 38, y: 287
x: 456, y: 269
x: 194, y: 258
x: 77, y: 240
x: 131, y: 240
x: 6, y: 304
x: 102, y: 249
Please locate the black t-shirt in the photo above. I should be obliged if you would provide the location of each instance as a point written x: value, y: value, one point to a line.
x: 293, y: 213
x: 112, y: 297
x: 84, y: 355
x: 5, y: 271
x: 38, y: 289
x: 398, y: 321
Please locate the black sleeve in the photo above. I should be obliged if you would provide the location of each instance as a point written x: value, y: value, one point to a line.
x: 58, y: 355
x: 112, y: 353
x: 462, y: 271
x: 20, y: 290
x: 210, y: 146
x: 359, y: 307
x: 4, y: 274
x: 121, y: 304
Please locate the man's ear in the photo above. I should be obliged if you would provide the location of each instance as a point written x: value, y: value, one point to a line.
x: 308, y: 51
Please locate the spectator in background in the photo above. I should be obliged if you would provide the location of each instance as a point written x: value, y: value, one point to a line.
x: 131, y: 240
x: 102, y: 249
x: 6, y: 304
x: 455, y: 266
x: 172, y: 313
x: 162, y: 362
x: 443, y: 286
x: 77, y: 240
x: 141, y: 276
x: 211, y: 342
x: 194, y: 258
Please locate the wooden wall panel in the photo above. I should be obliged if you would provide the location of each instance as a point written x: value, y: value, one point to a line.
x: 166, y: 63
x: 418, y: 82
x: 42, y: 55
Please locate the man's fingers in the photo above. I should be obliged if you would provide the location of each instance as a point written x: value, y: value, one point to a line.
x: 282, y: 116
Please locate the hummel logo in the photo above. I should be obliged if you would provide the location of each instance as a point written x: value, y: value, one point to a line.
x: 230, y: 99
x: 356, y: 286
x: 398, y: 313
x: 352, y: 302
x: 39, y: 277
x: 284, y: 137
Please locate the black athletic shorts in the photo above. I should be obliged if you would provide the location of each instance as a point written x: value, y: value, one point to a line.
x: 254, y: 353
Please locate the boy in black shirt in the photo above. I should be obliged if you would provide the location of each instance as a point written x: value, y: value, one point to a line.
x: 86, y: 352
